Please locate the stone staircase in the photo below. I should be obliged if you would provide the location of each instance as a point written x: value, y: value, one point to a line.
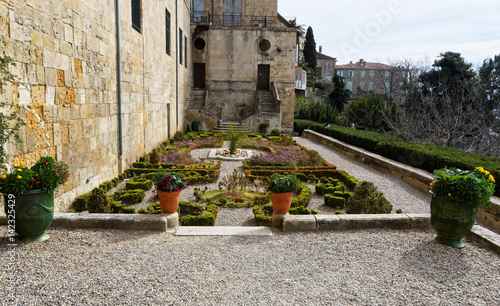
x: 196, y: 99
x: 224, y: 127
x: 266, y: 102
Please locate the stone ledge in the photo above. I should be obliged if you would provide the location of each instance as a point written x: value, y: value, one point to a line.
x: 299, y: 223
x: 485, y: 238
x: 353, y: 222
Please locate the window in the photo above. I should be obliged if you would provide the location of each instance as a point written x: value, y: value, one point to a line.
x: 198, y: 11
x: 370, y: 86
x: 362, y: 73
x: 167, y: 31
x: 349, y: 86
x: 185, y: 51
x: 372, y: 73
x: 403, y: 74
x: 297, y: 77
x: 136, y: 15
x: 329, y: 66
x: 386, y: 87
x: 180, y: 46
x: 232, y: 12
x: 386, y: 74
x: 340, y: 73
x: 351, y: 74
x: 362, y: 85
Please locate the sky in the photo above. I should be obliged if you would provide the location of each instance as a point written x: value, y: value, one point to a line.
x: 390, y: 30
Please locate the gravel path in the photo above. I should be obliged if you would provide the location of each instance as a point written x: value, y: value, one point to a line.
x: 400, y: 194
x: 109, y: 267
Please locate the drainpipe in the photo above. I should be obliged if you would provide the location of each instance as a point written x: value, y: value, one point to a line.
x: 212, y: 21
x: 176, y: 67
x: 119, y: 87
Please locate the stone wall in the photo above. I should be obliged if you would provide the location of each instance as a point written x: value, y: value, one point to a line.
x: 66, y: 55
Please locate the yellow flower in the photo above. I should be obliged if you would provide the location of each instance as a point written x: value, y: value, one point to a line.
x: 491, y: 178
x: 449, y: 194
x: 19, y: 177
x: 19, y: 169
x: 15, y: 165
x: 22, y: 163
x: 4, y: 176
x: 432, y: 184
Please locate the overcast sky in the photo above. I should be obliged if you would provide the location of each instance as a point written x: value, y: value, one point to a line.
x: 379, y: 30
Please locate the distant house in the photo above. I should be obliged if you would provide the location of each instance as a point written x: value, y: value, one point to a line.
x: 363, y: 76
x: 325, y: 67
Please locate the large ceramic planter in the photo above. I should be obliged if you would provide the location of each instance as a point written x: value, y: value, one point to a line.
x: 169, y: 201
x: 452, y: 220
x: 33, y: 213
x: 281, y: 202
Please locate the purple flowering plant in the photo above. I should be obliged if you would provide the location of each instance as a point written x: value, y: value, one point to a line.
x: 169, y: 181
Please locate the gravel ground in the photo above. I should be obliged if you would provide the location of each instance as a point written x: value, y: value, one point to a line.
x: 110, y: 267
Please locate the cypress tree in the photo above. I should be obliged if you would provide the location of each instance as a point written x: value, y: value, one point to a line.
x: 310, y: 50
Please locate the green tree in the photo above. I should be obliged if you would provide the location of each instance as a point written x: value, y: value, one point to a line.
x: 489, y: 78
x: 370, y: 112
x: 339, y: 95
x: 310, y: 50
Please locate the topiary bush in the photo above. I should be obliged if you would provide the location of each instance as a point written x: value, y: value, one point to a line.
x: 275, y: 132
x: 154, y: 208
x: 98, y: 202
x: 367, y: 200
x: 187, y: 208
x: 80, y: 202
x: 154, y: 157
x: 263, y: 214
x: 303, y: 198
x: 302, y: 211
x: 130, y: 196
x: 334, y: 201
x: 206, y: 219
x: 139, y: 183
x: 320, y: 188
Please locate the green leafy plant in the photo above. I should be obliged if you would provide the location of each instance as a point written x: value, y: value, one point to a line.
x: 474, y: 187
x: 367, y: 200
x: 98, y: 202
x: 235, y: 182
x: 283, y: 183
x: 233, y: 137
x: 46, y: 174
x: 169, y: 181
x: 275, y: 132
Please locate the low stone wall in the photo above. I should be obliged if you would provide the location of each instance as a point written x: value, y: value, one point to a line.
x: 417, y: 178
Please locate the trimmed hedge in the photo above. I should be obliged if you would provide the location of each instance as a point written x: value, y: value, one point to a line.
x: 303, y: 198
x: 80, y: 202
x: 334, y: 201
x: 139, y: 182
x: 130, y: 196
x: 302, y: 211
x: 425, y: 156
x: 206, y: 219
x: 263, y: 214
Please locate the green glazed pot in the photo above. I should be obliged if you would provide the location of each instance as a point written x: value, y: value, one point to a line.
x: 452, y: 220
x: 33, y: 213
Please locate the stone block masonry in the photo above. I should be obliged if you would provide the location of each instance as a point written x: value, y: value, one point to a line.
x: 66, y: 65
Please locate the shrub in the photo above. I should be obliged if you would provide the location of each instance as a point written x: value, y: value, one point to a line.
x: 154, y: 157
x: 263, y: 214
x: 334, y: 201
x: 139, y: 183
x: 107, y: 185
x: 98, y: 202
x: 187, y: 208
x: 179, y: 136
x: 367, y: 200
x: 304, y: 197
x: 188, y: 128
x: 320, y: 188
x: 275, y: 132
x: 302, y: 211
x: 206, y: 219
x: 80, y: 202
x: 154, y: 208
x: 131, y: 196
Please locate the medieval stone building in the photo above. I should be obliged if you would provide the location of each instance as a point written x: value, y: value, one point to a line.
x: 243, y: 57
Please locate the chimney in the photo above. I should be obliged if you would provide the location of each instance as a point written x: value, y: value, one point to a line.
x: 320, y: 49
x: 361, y: 62
x: 350, y: 62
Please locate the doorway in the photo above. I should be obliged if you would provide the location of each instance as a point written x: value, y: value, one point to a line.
x: 199, y: 75
x: 263, y: 78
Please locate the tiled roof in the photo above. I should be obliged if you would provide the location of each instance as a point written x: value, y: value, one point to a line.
x: 324, y: 56
x: 366, y: 65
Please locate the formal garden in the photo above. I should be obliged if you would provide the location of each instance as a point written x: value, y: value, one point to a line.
x: 241, y: 185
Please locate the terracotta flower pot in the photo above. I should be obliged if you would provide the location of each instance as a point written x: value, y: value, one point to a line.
x: 169, y: 201
x: 281, y: 202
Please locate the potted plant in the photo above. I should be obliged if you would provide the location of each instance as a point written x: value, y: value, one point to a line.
x: 195, y: 125
x: 282, y: 188
x: 456, y: 196
x: 169, y: 186
x: 263, y: 128
x: 29, y: 196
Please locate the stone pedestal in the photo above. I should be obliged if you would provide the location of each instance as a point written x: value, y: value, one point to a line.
x: 277, y: 220
x: 172, y: 220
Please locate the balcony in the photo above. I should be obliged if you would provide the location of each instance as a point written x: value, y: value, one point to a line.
x: 239, y: 20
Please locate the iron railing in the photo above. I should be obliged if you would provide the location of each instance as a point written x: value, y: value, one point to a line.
x: 239, y: 20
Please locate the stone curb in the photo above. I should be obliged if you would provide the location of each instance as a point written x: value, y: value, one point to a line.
x: 112, y: 221
x: 417, y: 178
